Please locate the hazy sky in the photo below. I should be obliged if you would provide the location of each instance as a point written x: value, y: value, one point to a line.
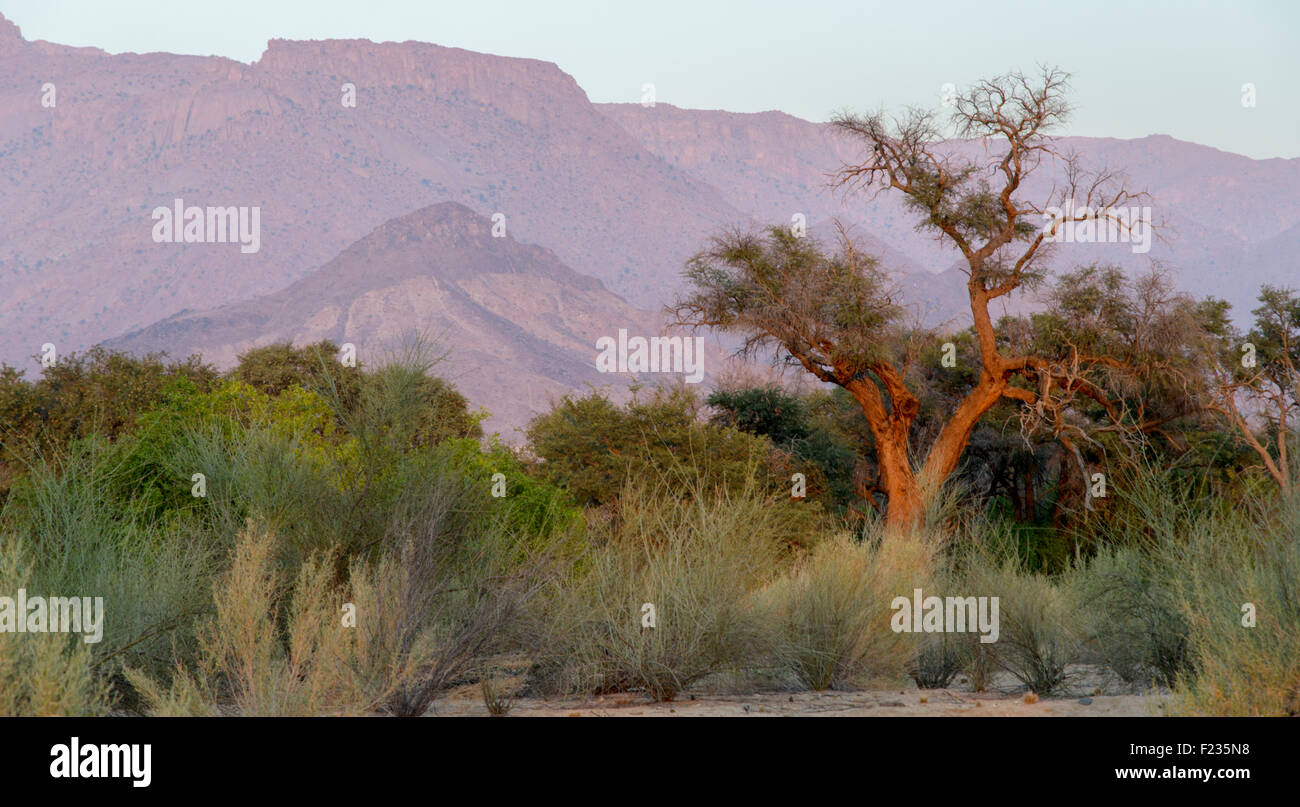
x: 1139, y: 68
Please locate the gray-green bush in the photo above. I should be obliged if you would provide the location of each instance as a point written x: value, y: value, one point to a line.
x: 695, y: 556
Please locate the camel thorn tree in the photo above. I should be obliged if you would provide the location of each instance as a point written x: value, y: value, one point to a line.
x: 834, y: 315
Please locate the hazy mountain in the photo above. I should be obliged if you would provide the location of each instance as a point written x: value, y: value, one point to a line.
x: 520, y: 326
x: 131, y: 132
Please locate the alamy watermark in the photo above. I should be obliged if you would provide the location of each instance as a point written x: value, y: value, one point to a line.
x: 656, y: 354
x: 179, y: 224
x: 946, y: 615
x: 23, y: 614
x: 1104, y: 225
x: 77, y: 760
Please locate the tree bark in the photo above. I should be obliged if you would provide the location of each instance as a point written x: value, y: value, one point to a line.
x: 946, y: 452
x: 891, y: 428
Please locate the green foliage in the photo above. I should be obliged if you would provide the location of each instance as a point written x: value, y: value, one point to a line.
x: 591, y: 447
x: 695, y: 559
x: 96, y: 392
x: 801, y: 427
x: 530, y: 507
x: 81, y: 540
x: 1222, y: 565
x: 782, y: 290
x: 43, y: 674
x: 769, y: 411
x: 195, y: 432
x: 274, y: 368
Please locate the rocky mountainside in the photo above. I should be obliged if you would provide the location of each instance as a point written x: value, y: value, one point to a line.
x: 131, y: 132
x: 519, y: 326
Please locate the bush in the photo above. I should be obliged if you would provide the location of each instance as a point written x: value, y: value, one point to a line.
x: 43, y: 674
x: 833, y: 613
x: 530, y: 507
x: 591, y: 447
x: 446, y: 593
x: 82, y: 541
x: 804, y: 427
x: 695, y: 556
x: 1136, y: 626
x: 96, y: 392
x: 274, y: 368
x: 1040, y: 628
x: 424, y: 612
x: 937, y: 662
x: 1223, y: 564
x: 270, y: 649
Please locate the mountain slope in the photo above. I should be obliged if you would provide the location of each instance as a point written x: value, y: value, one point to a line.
x: 519, y: 325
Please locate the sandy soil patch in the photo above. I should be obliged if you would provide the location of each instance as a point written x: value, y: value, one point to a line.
x: 1091, y: 694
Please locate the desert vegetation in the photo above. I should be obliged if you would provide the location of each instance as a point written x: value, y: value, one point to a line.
x: 348, y: 555
x: 299, y: 537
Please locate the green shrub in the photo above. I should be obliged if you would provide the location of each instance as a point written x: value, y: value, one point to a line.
x: 1222, y: 565
x: 97, y: 392
x: 590, y: 447
x: 529, y: 507
x: 833, y: 610
x: 1136, y: 626
x: 82, y: 541
x: 695, y: 555
x: 1041, y: 629
x: 270, y: 649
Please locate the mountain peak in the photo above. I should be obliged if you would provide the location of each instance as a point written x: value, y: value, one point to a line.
x: 447, y: 224
x: 513, y: 316
x: 449, y: 213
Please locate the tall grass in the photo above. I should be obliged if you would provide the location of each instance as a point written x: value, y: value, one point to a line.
x: 81, y: 541
x: 411, y: 617
x: 270, y: 649
x: 832, y: 612
x: 1039, y: 615
x: 694, y: 555
x: 1224, y: 568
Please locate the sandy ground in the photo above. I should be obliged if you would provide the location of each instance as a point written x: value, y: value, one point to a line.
x: 1090, y: 695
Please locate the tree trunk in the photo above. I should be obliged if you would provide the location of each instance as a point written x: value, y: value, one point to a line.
x: 948, y: 447
x: 891, y: 427
x: 891, y: 430
x: 905, y: 504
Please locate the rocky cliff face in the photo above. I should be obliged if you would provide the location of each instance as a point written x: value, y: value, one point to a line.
x: 128, y: 133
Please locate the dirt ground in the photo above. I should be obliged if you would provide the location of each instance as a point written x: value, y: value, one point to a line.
x: 1090, y: 694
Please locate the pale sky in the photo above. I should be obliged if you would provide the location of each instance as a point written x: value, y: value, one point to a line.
x: 1139, y: 68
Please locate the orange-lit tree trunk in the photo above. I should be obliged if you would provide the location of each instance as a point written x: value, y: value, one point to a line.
x: 891, y: 422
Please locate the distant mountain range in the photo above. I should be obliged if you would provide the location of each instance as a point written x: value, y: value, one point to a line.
x: 359, y: 235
